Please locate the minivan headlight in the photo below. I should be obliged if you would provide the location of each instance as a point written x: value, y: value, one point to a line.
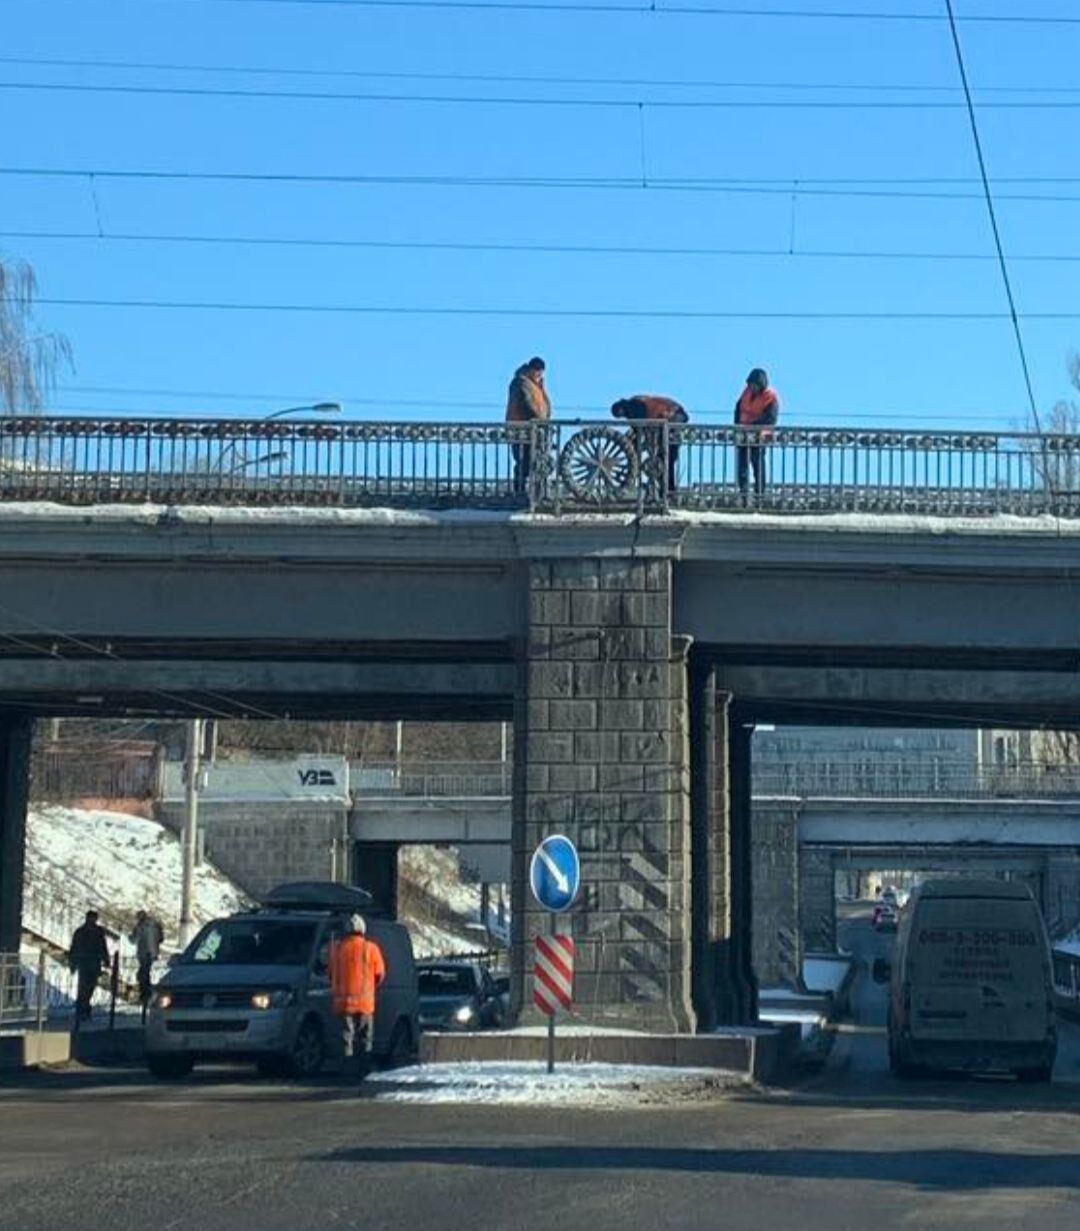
x: 161, y: 1000
x: 464, y: 1014
x: 270, y: 1000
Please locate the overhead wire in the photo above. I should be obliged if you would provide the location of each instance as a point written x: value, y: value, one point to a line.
x: 508, y: 100
x: 653, y: 9
x: 542, y: 313
x: 513, y: 247
x: 524, y: 78
x: 992, y: 211
x: 783, y: 188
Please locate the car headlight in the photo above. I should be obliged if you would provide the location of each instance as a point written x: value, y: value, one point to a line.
x: 270, y: 1000
x: 161, y: 1000
x: 464, y: 1014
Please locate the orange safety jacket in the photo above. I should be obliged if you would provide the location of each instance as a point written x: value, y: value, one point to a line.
x: 356, y: 970
x: 757, y: 409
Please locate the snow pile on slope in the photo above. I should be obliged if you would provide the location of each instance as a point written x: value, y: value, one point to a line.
x: 118, y: 864
x: 442, y: 912
x: 528, y: 1082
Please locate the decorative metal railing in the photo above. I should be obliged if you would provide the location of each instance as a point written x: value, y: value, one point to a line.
x: 546, y: 467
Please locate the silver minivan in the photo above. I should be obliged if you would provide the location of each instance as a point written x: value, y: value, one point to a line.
x: 970, y: 985
x: 256, y: 987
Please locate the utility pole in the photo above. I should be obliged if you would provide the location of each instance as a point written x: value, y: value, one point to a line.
x: 189, y: 837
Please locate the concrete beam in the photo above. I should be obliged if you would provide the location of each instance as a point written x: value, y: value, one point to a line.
x: 15, y: 736
x: 418, y: 821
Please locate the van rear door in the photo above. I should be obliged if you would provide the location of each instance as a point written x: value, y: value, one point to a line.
x: 978, y: 970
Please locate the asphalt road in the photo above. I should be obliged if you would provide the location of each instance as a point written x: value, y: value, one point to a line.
x: 849, y: 1148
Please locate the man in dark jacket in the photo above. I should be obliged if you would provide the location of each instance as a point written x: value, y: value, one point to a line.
x: 651, y: 408
x: 758, y: 408
x: 88, y: 956
x: 526, y: 401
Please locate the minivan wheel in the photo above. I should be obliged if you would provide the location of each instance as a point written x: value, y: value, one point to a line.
x: 169, y: 1068
x: 308, y: 1052
x: 400, y: 1049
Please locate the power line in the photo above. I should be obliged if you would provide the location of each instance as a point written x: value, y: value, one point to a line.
x: 804, y: 188
x: 544, y: 313
x: 504, y: 100
x: 993, y: 218
x: 550, y: 249
x: 524, y: 78
x: 654, y: 10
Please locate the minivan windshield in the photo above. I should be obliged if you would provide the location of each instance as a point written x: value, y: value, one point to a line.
x: 253, y: 942
x: 445, y: 981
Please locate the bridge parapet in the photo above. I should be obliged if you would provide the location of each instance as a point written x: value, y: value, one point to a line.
x: 555, y: 467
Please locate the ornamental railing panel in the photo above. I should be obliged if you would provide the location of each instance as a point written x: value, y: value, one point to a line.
x: 555, y: 467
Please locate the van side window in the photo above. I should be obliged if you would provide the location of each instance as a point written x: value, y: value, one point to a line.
x: 332, y: 933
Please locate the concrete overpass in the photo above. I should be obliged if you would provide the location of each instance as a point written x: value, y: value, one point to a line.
x: 632, y: 647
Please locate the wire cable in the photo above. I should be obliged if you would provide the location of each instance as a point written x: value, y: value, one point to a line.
x: 1003, y: 264
x: 520, y: 79
x: 546, y: 313
x: 653, y: 9
x: 505, y: 100
x: 781, y: 188
x: 541, y: 248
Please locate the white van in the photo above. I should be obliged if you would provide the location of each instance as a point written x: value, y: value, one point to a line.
x: 971, y: 982
x: 256, y: 986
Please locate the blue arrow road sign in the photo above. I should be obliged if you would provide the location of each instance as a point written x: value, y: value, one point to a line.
x: 555, y: 873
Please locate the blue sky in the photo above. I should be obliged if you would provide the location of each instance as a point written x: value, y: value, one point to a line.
x: 402, y: 365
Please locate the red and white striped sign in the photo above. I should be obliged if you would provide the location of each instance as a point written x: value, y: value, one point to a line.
x: 553, y: 973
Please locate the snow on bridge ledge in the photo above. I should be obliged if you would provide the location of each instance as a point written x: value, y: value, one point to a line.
x: 295, y: 515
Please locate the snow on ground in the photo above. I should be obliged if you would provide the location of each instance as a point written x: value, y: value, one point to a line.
x: 449, y: 921
x: 825, y: 974
x: 118, y: 864
x: 528, y: 1082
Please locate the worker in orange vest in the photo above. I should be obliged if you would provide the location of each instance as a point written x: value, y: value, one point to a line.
x: 526, y: 401
x: 652, y: 408
x: 758, y: 408
x: 356, y: 970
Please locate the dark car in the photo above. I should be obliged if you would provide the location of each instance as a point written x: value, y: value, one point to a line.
x: 458, y: 996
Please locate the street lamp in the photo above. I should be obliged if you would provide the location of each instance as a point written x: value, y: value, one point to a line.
x: 318, y: 408
x: 275, y: 456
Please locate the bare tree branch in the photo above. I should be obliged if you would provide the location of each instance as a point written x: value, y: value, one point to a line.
x: 29, y: 360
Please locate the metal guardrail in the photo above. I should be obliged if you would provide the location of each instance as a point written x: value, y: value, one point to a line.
x: 453, y: 779
x: 916, y: 779
x: 548, y: 467
x: 909, y: 779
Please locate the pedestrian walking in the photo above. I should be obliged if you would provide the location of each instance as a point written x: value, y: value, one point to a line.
x: 357, y: 969
x: 147, y: 936
x: 527, y: 401
x: 88, y: 955
x: 652, y: 408
x: 758, y: 408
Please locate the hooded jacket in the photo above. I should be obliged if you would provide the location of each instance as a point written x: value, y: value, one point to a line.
x: 527, y: 398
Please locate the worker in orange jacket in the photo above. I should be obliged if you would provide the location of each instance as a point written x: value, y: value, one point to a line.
x: 758, y: 407
x: 357, y: 969
x: 652, y: 408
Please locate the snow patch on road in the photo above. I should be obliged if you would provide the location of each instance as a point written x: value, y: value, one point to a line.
x: 577, y: 1085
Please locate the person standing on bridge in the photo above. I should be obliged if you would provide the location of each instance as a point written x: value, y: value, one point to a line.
x: 356, y: 970
x: 651, y: 408
x: 758, y: 408
x: 88, y: 955
x: 527, y: 401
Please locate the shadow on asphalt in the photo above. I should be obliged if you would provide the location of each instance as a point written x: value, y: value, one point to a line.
x: 929, y: 1170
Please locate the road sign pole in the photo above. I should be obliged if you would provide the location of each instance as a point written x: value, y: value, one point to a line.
x: 551, y: 1016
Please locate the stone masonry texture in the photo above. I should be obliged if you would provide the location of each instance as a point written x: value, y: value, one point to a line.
x: 605, y: 751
